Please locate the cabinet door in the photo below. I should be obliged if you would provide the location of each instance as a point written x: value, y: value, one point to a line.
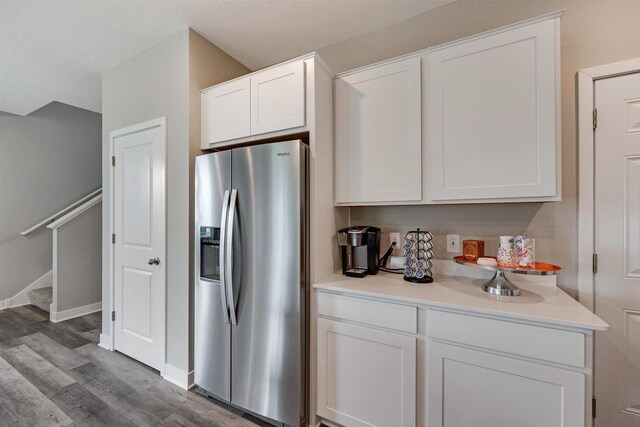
x: 378, y: 134
x: 472, y: 388
x: 278, y: 98
x: 492, y: 124
x: 366, y: 377
x: 225, y: 112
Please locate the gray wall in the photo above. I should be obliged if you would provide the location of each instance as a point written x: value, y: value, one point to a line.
x: 79, y: 260
x: 154, y: 83
x: 594, y: 32
x: 48, y: 160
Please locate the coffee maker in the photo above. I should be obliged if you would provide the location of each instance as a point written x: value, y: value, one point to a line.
x: 360, y: 250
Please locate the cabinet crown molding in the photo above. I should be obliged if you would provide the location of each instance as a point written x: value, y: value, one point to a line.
x: 304, y: 57
x: 508, y: 27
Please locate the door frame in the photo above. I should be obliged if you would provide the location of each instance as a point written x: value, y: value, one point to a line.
x: 586, y: 79
x: 162, y: 123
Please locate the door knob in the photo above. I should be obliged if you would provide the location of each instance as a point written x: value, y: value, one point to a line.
x: 155, y: 261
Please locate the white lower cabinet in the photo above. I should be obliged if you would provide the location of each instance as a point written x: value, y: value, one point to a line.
x: 366, y: 377
x: 382, y: 363
x: 472, y: 388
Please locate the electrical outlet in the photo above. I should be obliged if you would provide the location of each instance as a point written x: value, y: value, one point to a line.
x: 395, y: 237
x: 453, y: 243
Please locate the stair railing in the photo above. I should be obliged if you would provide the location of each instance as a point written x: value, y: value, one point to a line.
x: 63, y: 212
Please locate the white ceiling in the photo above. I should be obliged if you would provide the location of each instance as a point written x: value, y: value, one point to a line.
x: 57, y: 49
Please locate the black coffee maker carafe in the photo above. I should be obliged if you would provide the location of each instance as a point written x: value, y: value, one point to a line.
x: 360, y: 247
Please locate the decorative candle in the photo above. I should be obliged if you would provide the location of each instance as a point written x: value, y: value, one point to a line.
x: 526, y: 251
x: 507, y: 256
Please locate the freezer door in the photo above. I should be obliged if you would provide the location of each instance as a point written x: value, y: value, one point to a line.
x: 212, y: 348
x: 269, y: 281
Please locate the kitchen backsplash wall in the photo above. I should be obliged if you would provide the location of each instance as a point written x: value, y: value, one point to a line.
x: 481, y: 222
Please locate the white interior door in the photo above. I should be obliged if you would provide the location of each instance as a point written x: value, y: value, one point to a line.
x: 617, y: 241
x: 139, y: 249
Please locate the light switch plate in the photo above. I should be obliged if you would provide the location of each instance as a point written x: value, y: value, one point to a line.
x: 453, y: 243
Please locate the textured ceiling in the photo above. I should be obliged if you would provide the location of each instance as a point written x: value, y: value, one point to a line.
x: 57, y: 49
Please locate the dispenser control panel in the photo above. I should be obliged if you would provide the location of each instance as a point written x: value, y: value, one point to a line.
x: 210, y: 236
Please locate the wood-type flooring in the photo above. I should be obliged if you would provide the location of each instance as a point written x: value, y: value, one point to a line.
x: 54, y: 374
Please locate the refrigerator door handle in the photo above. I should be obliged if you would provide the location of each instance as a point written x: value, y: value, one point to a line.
x: 229, y: 256
x: 222, y: 259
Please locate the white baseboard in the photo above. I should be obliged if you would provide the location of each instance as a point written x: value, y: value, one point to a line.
x: 179, y: 377
x: 22, y: 297
x: 59, y: 316
x: 105, y: 342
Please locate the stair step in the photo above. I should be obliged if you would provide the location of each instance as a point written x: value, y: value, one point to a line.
x: 41, y: 298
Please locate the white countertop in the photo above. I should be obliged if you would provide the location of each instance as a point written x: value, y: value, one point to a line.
x: 541, y: 303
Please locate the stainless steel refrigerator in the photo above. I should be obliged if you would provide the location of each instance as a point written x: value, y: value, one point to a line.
x: 251, y: 222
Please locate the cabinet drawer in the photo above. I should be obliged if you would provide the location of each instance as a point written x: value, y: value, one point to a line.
x: 537, y: 342
x: 376, y: 313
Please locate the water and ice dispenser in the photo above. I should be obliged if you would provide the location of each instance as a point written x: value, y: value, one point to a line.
x: 210, y: 253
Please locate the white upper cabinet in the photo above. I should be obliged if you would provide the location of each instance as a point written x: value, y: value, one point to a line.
x: 472, y: 121
x: 492, y: 116
x: 225, y: 112
x: 378, y: 134
x: 263, y: 104
x: 277, y: 98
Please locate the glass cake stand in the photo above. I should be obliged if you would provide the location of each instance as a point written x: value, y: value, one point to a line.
x: 500, y: 284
